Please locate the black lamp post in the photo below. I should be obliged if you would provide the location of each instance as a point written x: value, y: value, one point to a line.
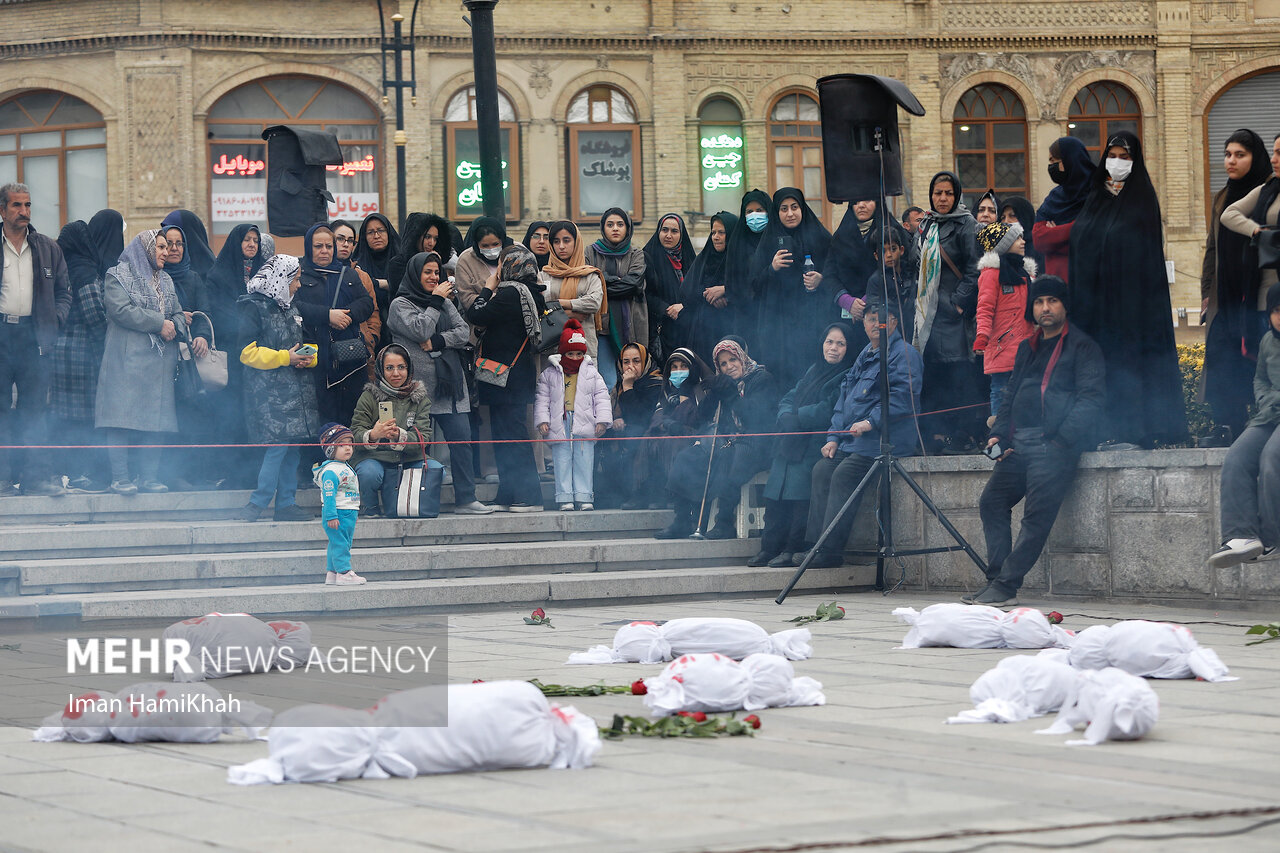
x: 486, y: 72
x: 397, y: 46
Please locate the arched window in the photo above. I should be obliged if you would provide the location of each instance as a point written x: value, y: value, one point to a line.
x: 462, y: 142
x: 57, y: 145
x: 604, y: 154
x: 990, y: 141
x: 1099, y: 110
x: 722, y: 155
x: 238, y: 154
x: 795, y: 151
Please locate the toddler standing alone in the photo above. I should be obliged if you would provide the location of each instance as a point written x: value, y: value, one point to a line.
x: 340, y: 497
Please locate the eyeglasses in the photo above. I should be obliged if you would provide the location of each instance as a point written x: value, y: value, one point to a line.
x: 345, y: 240
x: 374, y: 233
x: 394, y: 368
x: 176, y: 245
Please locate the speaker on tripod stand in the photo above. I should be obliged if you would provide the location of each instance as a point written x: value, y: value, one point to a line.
x: 862, y: 159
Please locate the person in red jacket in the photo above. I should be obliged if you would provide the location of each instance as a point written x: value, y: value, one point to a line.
x: 1071, y: 168
x: 1004, y: 275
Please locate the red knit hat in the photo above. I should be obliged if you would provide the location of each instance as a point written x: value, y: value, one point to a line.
x: 572, y: 339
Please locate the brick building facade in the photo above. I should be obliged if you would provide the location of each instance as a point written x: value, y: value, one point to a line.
x: 660, y: 105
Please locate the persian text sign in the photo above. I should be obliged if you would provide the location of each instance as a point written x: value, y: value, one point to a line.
x: 239, y: 207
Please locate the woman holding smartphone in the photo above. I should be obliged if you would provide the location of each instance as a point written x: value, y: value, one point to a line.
x: 392, y: 426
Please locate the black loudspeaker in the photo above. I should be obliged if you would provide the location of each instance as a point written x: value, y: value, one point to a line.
x: 296, y: 194
x: 854, y: 106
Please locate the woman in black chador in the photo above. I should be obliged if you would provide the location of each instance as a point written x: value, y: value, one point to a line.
x: 1119, y: 296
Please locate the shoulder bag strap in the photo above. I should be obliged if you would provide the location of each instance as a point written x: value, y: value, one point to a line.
x: 950, y: 263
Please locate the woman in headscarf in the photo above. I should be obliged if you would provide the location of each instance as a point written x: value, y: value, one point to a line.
x: 1232, y: 289
x: 1072, y: 170
x: 423, y: 316
x: 634, y: 398
x: 794, y: 302
x: 537, y: 239
x: 279, y: 396
x: 376, y: 245
x: 386, y: 446
x: 423, y: 232
x: 333, y: 303
x: 135, y: 391
x: 197, y: 249
x: 741, y: 408
x: 710, y: 318
x: 754, y: 216
x: 1119, y: 296
x: 668, y: 257
x: 344, y: 244
x: 946, y: 301
x: 851, y: 264
x: 188, y: 281
x: 622, y: 266
x: 485, y: 241
x: 685, y: 380
x: 805, y: 408
x: 1017, y: 209
x: 987, y: 210
x: 570, y: 281
x: 90, y: 250
x: 510, y: 308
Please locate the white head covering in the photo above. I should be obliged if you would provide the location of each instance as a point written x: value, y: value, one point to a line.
x: 274, y: 277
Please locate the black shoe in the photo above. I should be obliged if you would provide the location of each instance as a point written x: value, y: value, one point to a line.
x: 634, y: 503
x: 722, y: 531
x: 762, y: 558
x: 678, y: 529
x: 826, y: 560
x: 250, y: 512
x: 152, y: 487
x: 993, y: 597
x: 1220, y: 436
x: 968, y: 598
x: 44, y: 488
x: 783, y: 560
x: 86, y: 486
x: 370, y: 512
x: 293, y: 512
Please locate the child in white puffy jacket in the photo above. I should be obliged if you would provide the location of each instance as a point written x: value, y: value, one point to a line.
x: 572, y: 408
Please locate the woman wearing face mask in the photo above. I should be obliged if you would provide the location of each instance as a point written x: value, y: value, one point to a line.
x: 741, y: 407
x: 754, y: 216
x: 573, y: 283
x: 794, y: 300
x: 946, y: 299
x: 1230, y: 290
x: 805, y: 408
x: 668, y: 257
x: 708, y: 311
x: 680, y: 394
x: 622, y: 266
x: 634, y: 398
x: 1119, y: 293
x: 485, y: 240
x: 1072, y: 171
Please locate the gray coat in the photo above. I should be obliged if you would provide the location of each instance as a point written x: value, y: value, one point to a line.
x: 411, y: 324
x: 135, y: 382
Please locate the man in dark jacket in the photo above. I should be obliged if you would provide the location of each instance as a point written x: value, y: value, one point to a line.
x: 1051, y: 404
x: 853, y: 441
x: 35, y: 298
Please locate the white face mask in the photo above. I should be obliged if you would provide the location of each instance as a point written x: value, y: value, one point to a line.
x: 491, y: 254
x: 1119, y: 169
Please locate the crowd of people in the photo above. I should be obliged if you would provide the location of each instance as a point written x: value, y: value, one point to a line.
x: 423, y: 339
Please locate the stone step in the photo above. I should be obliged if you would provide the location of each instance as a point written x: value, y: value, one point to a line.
x: 200, y: 571
x: 448, y: 594
x: 24, y: 543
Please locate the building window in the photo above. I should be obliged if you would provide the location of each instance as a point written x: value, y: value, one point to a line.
x: 1099, y: 110
x: 57, y: 145
x: 990, y: 141
x: 462, y: 142
x: 795, y: 151
x: 238, y: 153
x: 604, y: 154
x: 722, y: 155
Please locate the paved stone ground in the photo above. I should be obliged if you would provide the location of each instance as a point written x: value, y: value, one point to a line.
x: 876, y: 762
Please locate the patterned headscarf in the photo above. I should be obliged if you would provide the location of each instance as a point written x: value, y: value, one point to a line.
x: 734, y: 348
x: 149, y: 287
x: 274, y: 277
x: 518, y: 268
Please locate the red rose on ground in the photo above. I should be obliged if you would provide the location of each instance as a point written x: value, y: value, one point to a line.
x: 539, y: 614
x: 683, y: 714
x: 1054, y: 617
x: 698, y: 717
x: 638, y: 688
x: 752, y: 720
x: 841, y: 609
x: 477, y: 681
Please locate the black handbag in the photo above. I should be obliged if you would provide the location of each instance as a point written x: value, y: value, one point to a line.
x: 553, y: 323
x: 348, y: 355
x: 188, y: 386
x: 1267, y: 242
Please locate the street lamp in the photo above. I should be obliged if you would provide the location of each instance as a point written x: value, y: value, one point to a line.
x: 397, y: 46
x: 486, y: 72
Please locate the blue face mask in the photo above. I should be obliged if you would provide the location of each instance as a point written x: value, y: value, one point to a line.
x: 757, y: 220
x: 678, y: 377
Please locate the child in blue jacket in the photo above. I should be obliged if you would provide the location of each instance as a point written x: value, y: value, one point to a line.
x: 340, y: 494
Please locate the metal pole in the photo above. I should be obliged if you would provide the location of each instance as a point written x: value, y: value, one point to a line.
x: 486, y: 72
x: 402, y: 138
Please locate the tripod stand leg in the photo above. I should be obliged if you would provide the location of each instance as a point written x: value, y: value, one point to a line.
x: 884, y: 536
x: 871, y: 472
x: 942, y: 519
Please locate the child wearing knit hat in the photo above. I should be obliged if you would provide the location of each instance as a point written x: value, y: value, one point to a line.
x: 1003, y: 278
x: 340, y: 502
x: 572, y: 408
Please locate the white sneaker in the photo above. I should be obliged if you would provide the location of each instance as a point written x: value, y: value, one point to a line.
x: 473, y: 508
x: 1236, y: 551
x: 587, y: 507
x: 568, y: 507
x: 349, y: 578
x: 447, y: 479
x: 330, y: 578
